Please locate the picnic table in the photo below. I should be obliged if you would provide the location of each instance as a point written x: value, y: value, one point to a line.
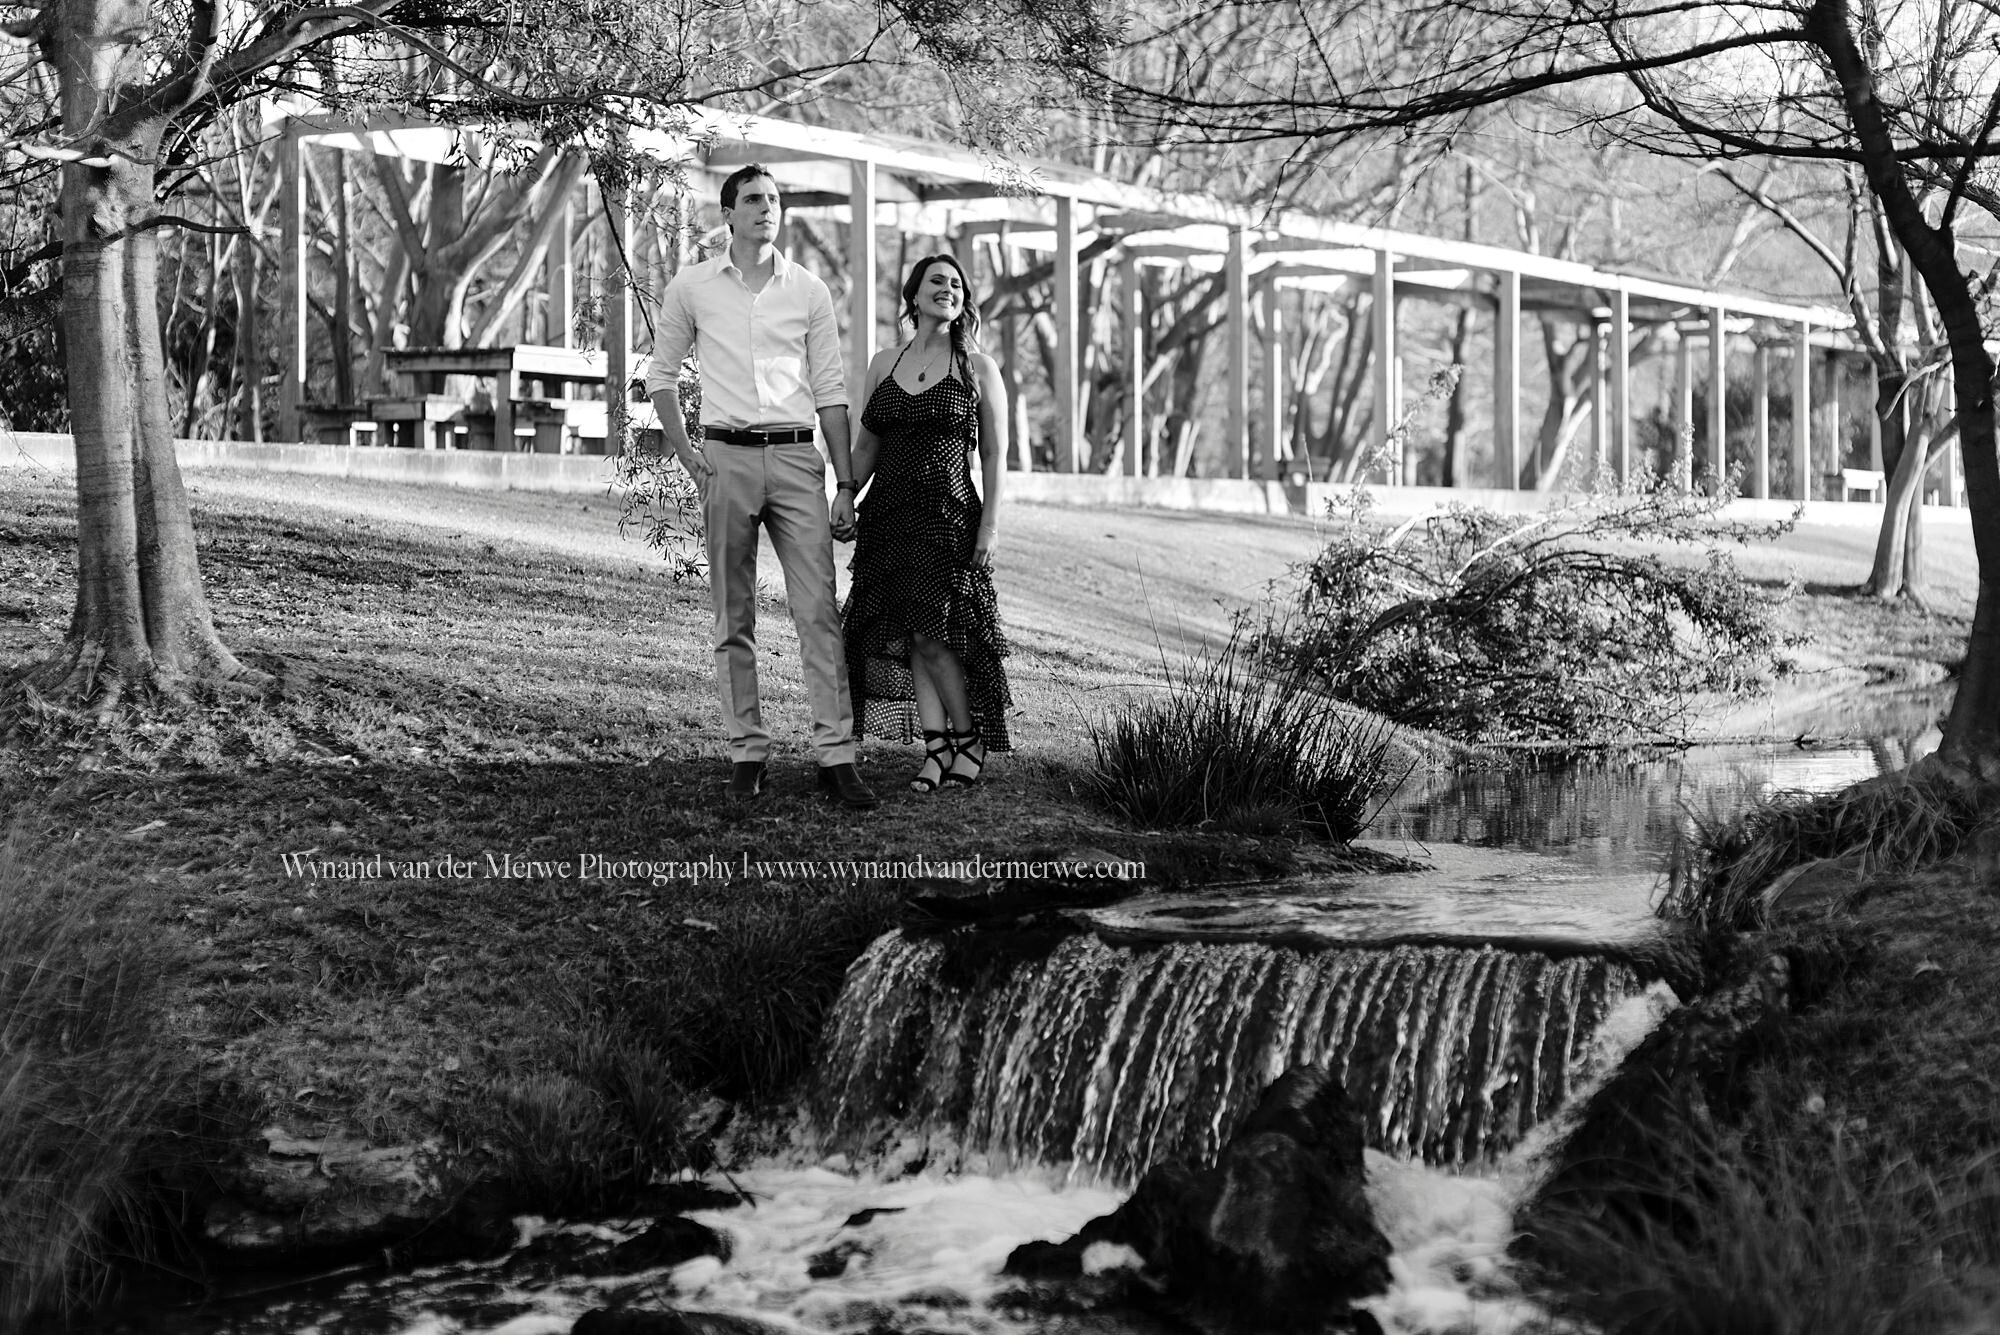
x: 543, y: 392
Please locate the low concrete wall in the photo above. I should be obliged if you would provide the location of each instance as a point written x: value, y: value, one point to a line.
x: 486, y: 471
x: 475, y: 469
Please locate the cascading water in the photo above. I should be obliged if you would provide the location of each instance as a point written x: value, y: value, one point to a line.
x: 1107, y: 1060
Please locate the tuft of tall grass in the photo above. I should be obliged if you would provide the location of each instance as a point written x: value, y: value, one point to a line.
x: 736, y: 1004
x: 86, y: 1081
x: 1899, y: 822
x: 584, y: 1138
x: 1773, y: 1231
x: 1235, y: 747
x: 755, y: 993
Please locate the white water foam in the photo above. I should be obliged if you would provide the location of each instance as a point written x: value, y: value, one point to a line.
x: 933, y: 1242
x: 924, y: 1249
x: 943, y: 1247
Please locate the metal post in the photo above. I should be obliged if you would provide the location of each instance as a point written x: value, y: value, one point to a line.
x: 1718, y: 399
x: 1507, y: 382
x: 1760, y: 468
x: 1383, y: 318
x: 1236, y: 280
x: 292, y: 287
x: 1070, y: 456
x: 1802, y: 413
x: 862, y: 279
x: 1133, y: 316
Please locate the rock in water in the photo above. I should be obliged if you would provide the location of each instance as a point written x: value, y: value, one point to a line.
x: 1277, y: 1235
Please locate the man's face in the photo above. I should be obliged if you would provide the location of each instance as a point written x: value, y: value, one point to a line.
x: 756, y: 213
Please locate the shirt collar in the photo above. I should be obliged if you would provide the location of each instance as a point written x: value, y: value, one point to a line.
x: 780, y: 266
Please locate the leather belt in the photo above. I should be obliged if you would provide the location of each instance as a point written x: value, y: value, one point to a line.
x: 729, y: 435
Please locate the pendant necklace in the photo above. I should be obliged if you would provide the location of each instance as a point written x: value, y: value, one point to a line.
x: 923, y: 371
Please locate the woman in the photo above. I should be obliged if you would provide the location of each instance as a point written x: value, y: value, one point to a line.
x: 922, y: 623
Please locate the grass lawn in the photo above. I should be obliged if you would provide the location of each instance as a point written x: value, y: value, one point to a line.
x: 475, y: 682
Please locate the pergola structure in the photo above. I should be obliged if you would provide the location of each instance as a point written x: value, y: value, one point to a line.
x: 939, y: 190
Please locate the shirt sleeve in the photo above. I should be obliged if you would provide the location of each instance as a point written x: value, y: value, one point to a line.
x: 823, y: 356
x: 673, y: 335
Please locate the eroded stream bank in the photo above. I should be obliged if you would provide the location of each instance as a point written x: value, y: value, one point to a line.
x: 1586, y: 818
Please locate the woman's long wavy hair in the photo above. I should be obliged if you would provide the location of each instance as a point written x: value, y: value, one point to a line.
x: 964, y: 330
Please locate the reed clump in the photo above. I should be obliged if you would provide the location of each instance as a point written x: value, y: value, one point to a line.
x: 1777, y: 1225
x: 588, y: 1131
x: 1901, y: 822
x: 1231, y: 745
x: 86, y: 1081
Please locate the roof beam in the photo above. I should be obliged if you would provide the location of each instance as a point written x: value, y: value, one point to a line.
x: 938, y: 172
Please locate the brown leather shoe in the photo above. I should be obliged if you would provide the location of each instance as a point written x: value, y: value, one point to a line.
x: 842, y: 784
x: 746, y: 780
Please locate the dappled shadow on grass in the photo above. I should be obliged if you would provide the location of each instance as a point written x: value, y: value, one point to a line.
x: 371, y: 942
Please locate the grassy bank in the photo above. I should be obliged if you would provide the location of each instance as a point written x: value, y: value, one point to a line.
x: 466, y: 878
x: 1837, y: 1170
x: 414, y: 895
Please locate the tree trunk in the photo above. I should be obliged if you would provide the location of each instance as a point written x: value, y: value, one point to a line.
x: 527, y: 268
x: 180, y: 630
x: 140, y: 619
x: 1971, y: 743
x: 430, y: 319
x: 1904, y: 493
x: 249, y: 346
x: 343, y: 281
x: 1451, y: 467
x: 1972, y: 729
x: 106, y: 645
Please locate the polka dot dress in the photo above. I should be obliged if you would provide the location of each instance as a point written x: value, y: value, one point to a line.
x: 913, y: 569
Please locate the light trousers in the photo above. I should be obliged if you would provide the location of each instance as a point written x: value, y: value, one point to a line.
x: 782, y: 487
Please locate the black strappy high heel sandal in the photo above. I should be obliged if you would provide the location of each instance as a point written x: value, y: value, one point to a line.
x: 961, y: 746
x: 939, y: 752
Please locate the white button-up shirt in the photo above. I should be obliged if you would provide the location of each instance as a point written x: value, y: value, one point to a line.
x: 771, y: 359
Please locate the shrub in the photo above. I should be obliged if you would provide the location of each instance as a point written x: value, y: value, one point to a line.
x: 85, y: 1080
x: 661, y: 500
x: 1234, y: 747
x: 1546, y: 627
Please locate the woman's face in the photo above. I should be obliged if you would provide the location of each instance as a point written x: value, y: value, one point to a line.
x: 941, y: 293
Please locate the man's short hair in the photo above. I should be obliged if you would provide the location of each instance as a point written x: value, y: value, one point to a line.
x: 739, y: 176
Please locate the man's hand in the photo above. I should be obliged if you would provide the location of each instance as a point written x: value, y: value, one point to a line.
x: 843, y: 516
x: 696, y: 463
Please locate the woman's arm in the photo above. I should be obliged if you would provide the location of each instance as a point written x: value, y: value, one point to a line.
x: 992, y: 452
x: 860, y: 460
x: 865, y: 444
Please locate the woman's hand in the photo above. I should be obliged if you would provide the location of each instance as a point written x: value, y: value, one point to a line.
x: 983, y: 544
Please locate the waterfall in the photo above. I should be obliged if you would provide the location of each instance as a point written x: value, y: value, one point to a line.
x: 1107, y: 1060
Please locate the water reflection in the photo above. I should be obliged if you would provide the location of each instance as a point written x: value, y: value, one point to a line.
x: 1621, y: 813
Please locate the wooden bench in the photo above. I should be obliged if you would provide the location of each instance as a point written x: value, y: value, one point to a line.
x: 575, y: 375
x: 420, y: 421
x: 336, y: 424
x: 1861, y: 479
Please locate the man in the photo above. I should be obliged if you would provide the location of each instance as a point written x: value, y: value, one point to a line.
x: 764, y: 330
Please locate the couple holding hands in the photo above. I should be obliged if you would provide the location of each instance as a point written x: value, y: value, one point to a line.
x: 918, y: 648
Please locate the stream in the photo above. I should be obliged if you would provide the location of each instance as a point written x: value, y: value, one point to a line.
x: 950, y: 1124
